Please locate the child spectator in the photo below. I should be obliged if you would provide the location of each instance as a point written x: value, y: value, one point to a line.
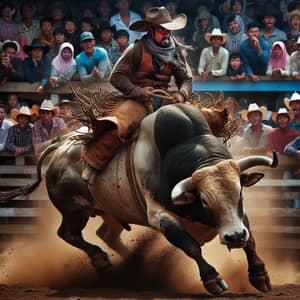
x: 279, y: 62
x: 295, y: 61
x: 37, y: 66
x: 12, y: 104
x: 236, y: 70
x: 47, y: 27
x: 19, y: 138
x: 122, y: 38
x: 93, y: 62
x: 279, y: 137
x: 63, y: 66
x: 293, y: 34
x: 8, y: 28
x: 59, y: 34
x: 214, y: 59
x: 11, y: 66
x: 255, y: 53
x: 105, y: 36
x: 4, y: 126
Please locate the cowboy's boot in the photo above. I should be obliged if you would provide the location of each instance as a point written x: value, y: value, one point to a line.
x: 98, y: 153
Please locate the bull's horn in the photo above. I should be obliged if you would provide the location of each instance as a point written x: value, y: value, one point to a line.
x: 178, y: 193
x: 258, y: 160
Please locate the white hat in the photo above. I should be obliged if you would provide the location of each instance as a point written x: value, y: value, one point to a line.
x: 24, y: 111
x: 287, y: 101
x: 48, y: 105
x: 251, y: 108
x: 216, y: 32
x: 13, y: 44
x: 282, y: 111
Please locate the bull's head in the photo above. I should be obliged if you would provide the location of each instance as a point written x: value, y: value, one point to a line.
x: 219, y: 188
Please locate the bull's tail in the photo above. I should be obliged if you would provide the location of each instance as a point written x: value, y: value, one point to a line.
x: 25, y: 190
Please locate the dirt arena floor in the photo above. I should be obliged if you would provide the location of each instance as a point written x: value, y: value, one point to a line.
x: 45, y: 267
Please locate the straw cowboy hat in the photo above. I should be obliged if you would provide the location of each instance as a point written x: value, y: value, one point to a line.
x: 216, y: 33
x: 159, y: 16
x: 24, y: 111
x: 48, y: 105
x: 251, y: 108
x: 36, y: 43
x: 292, y: 14
x: 282, y: 111
x: 287, y: 101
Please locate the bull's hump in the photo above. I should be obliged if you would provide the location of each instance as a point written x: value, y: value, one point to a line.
x: 175, y: 124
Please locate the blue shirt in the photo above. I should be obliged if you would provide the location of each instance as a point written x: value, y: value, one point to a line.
x: 293, y: 124
x: 292, y: 147
x: 255, y: 64
x: 85, y: 64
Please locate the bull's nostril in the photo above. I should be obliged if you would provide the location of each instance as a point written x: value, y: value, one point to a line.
x: 244, y: 233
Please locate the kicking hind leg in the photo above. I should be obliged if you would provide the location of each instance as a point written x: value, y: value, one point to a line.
x: 110, y: 231
x: 70, y: 231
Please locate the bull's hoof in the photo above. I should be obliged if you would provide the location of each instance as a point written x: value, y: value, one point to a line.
x: 101, y: 261
x: 216, y: 285
x: 260, y: 281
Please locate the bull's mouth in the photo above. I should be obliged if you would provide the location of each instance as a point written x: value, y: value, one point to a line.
x: 236, y: 245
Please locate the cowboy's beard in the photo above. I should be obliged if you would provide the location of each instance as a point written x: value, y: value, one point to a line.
x: 164, y: 42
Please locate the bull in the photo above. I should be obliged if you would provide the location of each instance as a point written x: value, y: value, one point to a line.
x: 178, y: 175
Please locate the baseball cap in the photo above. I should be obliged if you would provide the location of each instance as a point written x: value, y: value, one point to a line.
x: 86, y: 35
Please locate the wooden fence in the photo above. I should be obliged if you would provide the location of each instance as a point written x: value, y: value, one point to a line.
x: 271, y: 219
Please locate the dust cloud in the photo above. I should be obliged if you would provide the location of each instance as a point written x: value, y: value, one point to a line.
x: 48, y: 261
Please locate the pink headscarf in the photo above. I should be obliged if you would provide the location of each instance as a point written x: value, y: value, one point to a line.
x: 281, y: 62
x: 59, y: 63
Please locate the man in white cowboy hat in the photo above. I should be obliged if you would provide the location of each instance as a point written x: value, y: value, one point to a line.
x: 149, y: 63
x: 47, y: 127
x: 293, y: 104
x: 295, y: 61
x: 255, y: 132
x: 19, y: 139
x: 214, y: 59
x: 279, y: 137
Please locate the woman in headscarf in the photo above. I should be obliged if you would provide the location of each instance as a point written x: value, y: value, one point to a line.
x: 279, y: 62
x: 63, y: 65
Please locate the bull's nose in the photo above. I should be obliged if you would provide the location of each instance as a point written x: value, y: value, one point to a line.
x: 236, y: 238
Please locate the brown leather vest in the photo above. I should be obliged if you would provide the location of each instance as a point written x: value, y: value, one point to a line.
x: 146, y: 75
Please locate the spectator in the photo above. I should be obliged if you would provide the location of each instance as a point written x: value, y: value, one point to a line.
x: 57, y: 12
x: 144, y: 5
x: 8, y: 28
x: 63, y: 66
x: 92, y: 63
x: 37, y: 66
x: 4, y: 126
x: 214, y: 59
x: 11, y: 66
x: 88, y: 10
x: 235, y: 34
x: 47, y: 27
x: 12, y: 104
x: 122, y: 38
x: 236, y: 70
x: 295, y: 62
x: 293, y: 104
x: 86, y: 24
x: 105, y: 36
x: 279, y: 137
x: 255, y: 53
x: 172, y: 7
x: 255, y: 132
x: 279, y: 62
x: 103, y: 10
x: 66, y: 112
x: 270, y: 33
x: 293, y: 34
x: 124, y: 18
x: 19, y: 139
x: 72, y: 35
x: 47, y: 127
x: 59, y: 34
x: 28, y: 27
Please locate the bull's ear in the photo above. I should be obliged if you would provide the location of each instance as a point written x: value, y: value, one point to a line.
x: 248, y: 179
x: 185, y: 199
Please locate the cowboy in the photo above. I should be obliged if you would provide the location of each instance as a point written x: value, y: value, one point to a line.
x: 293, y: 104
x: 145, y: 65
x: 214, y: 59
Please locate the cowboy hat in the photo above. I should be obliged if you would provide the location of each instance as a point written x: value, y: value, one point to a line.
x: 282, y: 111
x: 24, y: 111
x: 48, y: 105
x: 292, y: 14
x: 36, y: 43
x: 287, y: 101
x: 159, y: 16
x: 215, y: 33
x: 251, y: 108
x: 10, y: 44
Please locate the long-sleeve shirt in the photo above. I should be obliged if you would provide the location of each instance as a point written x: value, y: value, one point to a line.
x: 214, y: 63
x: 295, y: 63
x: 39, y: 72
x: 4, y: 126
x: 62, y: 78
x: 285, y: 71
x: 292, y: 147
x: 254, y: 63
x: 85, y: 64
x: 18, y: 138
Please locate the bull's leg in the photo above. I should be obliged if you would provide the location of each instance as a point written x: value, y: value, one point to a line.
x: 175, y: 234
x: 70, y: 231
x: 109, y: 232
x: 258, y: 275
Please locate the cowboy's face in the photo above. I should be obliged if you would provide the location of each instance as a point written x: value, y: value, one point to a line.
x: 46, y: 117
x: 283, y: 120
x: 88, y: 46
x: 36, y: 54
x: 295, y: 107
x: 254, y: 117
x: 216, y: 41
x: 161, y: 36
x: 23, y: 121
